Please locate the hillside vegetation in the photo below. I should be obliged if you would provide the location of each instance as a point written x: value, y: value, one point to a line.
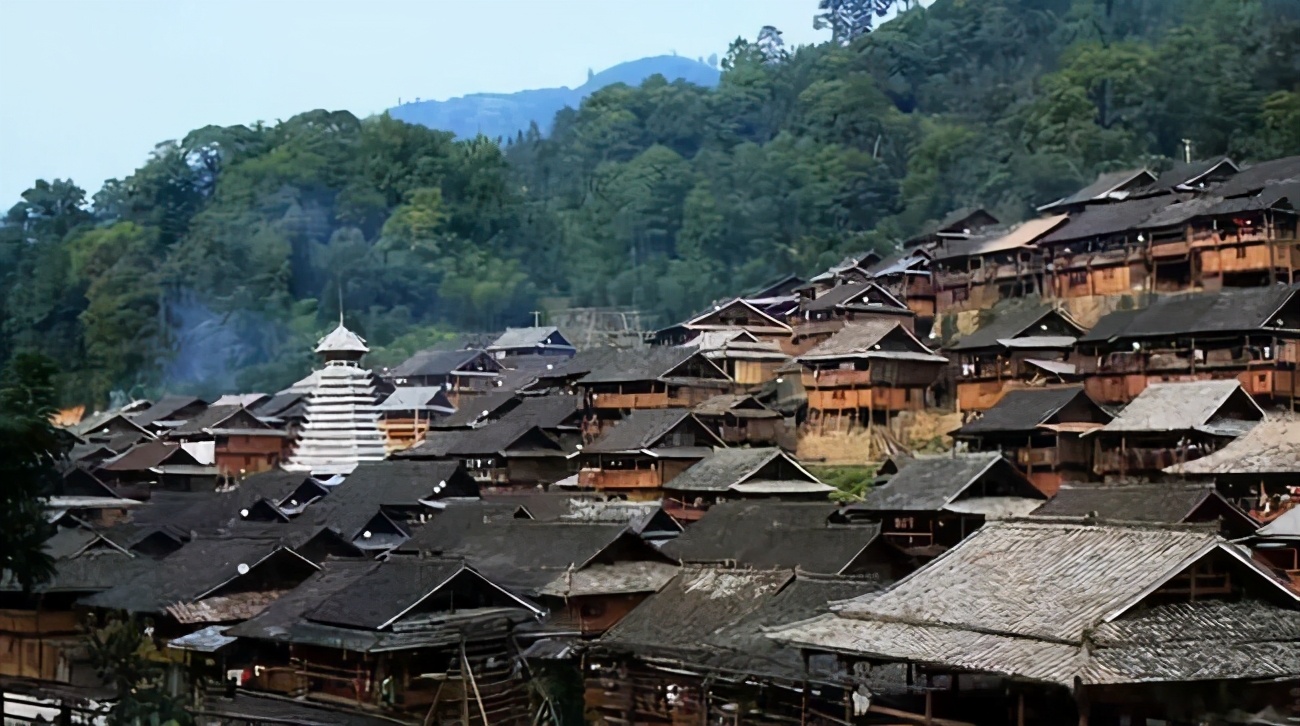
x: 217, y: 263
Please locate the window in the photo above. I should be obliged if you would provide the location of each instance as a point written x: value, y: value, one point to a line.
x: 1241, y: 253
x: 1108, y: 273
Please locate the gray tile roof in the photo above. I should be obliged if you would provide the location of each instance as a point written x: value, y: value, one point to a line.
x: 766, y: 534
x: 1024, y: 410
x: 436, y: 363
x: 1021, y: 598
x: 1170, y: 502
x: 643, y: 428
x: 1224, y: 311
x: 646, y: 364
x: 930, y: 483
x: 860, y: 338
x: 531, y: 338
x: 1015, y: 321
x: 166, y: 407
x: 382, y: 593
x: 1183, y: 406
x: 1105, y: 182
x: 1271, y: 447
x: 725, y: 468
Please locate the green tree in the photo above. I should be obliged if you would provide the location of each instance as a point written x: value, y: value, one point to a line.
x: 30, y: 452
x: 125, y: 657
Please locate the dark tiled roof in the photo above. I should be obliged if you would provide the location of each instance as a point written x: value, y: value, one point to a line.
x: 381, y: 593
x: 433, y: 363
x: 1223, y: 311
x: 1169, y: 502
x: 1011, y: 322
x: 841, y: 294
x: 1260, y: 176
x: 184, y: 575
x: 1105, y: 182
x: 639, y: 365
x: 275, y: 621
x: 280, y: 405
x: 773, y: 534
x: 725, y: 467
x: 545, y: 412
x: 476, y: 408
x: 641, y: 430
x: 929, y: 483
x: 526, y: 555
x: 488, y: 440
x: 1103, y: 220
x: 1022, y: 410
x: 166, y: 407
x: 214, y: 417
x: 148, y: 454
x: 392, y: 483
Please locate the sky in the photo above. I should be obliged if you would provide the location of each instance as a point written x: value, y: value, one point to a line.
x: 88, y: 87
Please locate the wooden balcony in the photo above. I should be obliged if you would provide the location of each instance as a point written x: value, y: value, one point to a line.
x: 631, y: 400
x: 619, y: 479
x: 683, y: 512
x: 836, y: 379
x: 1037, y: 457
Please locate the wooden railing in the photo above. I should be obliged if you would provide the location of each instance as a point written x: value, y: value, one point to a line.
x: 619, y: 478
x: 834, y: 378
x: 630, y: 400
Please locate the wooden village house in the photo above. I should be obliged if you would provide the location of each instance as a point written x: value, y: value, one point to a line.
x: 644, y: 452
x: 653, y: 378
x: 1172, y: 502
x: 868, y: 370
x: 545, y: 341
x: 820, y: 317
x: 1041, y: 430
x: 934, y: 502
x: 242, y: 443
x: 1172, y: 423
x: 1256, y: 471
x: 464, y: 374
x: 1251, y: 335
x: 741, y: 355
x: 976, y: 273
x: 739, y: 419
x: 406, y: 414
x: 1019, y: 347
x: 1165, y: 622
x: 751, y: 473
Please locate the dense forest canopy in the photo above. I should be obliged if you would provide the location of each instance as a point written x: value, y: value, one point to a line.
x: 216, y: 264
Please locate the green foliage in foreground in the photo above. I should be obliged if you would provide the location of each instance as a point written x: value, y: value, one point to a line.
x: 215, y: 265
x: 30, y: 449
x: 851, y: 482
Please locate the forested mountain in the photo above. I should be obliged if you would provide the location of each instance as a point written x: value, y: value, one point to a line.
x: 217, y: 263
x: 502, y: 115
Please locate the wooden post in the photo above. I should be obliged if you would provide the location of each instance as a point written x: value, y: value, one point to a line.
x: 1020, y: 709
x: 929, y: 707
x: 464, y: 659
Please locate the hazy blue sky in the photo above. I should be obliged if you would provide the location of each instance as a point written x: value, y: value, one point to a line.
x: 87, y: 87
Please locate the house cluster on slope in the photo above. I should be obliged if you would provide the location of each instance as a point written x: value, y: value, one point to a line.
x: 525, y: 532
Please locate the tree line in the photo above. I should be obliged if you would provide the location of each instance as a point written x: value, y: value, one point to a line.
x: 216, y: 264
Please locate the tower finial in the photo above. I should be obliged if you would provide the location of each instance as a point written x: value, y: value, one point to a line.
x: 340, y: 287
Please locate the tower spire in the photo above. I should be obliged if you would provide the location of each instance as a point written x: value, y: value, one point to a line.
x: 340, y: 288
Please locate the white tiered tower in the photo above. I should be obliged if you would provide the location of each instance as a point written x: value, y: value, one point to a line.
x: 342, y: 426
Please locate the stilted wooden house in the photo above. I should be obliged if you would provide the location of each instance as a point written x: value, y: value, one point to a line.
x: 652, y: 378
x: 1109, y: 188
x: 739, y: 419
x: 1041, y: 430
x: 820, y: 317
x: 934, y: 502
x: 1250, y: 335
x: 868, y: 370
x: 976, y: 273
x: 242, y: 443
x: 418, y: 617
x: 746, y: 359
x: 906, y: 276
x: 511, y: 452
x: 1165, y: 622
x: 407, y: 413
x: 152, y: 465
x: 697, y: 652
x: 1020, y: 347
x: 465, y: 374
x: 1256, y: 471
x: 645, y: 451
x: 1172, y: 423
x: 739, y: 313
x: 727, y: 474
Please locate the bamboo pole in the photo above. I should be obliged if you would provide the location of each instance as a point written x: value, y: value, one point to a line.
x: 464, y: 659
